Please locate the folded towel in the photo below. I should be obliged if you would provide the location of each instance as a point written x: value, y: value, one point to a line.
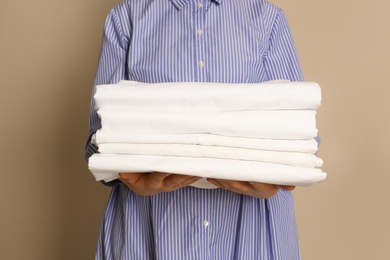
x: 298, y: 124
x: 304, y: 146
x: 107, y: 167
x: 183, y: 150
x: 201, y: 96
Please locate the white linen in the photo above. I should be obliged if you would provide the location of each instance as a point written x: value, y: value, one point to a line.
x: 107, y: 167
x: 262, y: 132
x: 182, y: 150
x: 304, y: 146
x: 202, y: 183
x: 300, y: 124
x: 200, y: 96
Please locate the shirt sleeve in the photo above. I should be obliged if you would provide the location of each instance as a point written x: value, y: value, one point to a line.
x: 281, y: 59
x: 111, y: 69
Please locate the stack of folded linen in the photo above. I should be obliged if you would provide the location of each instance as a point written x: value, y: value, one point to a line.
x: 261, y: 132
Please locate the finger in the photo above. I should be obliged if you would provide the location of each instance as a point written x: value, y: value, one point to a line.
x: 287, y: 187
x: 219, y: 182
x: 158, y: 176
x: 125, y: 175
x: 176, y: 180
x: 131, y: 177
x: 179, y: 181
x: 241, y: 187
x: 265, y: 190
x: 265, y: 186
x: 188, y: 181
x: 223, y: 183
x: 216, y: 183
x: 234, y: 184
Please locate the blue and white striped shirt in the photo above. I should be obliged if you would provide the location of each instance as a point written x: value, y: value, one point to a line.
x: 209, y: 41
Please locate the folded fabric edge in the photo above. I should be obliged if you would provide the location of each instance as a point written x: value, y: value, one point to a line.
x: 301, y: 182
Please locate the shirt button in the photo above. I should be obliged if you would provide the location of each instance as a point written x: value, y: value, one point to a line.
x: 199, y: 31
x: 200, y: 5
x: 206, y: 223
x: 201, y: 64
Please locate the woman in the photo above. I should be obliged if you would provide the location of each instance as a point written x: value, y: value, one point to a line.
x: 157, y: 215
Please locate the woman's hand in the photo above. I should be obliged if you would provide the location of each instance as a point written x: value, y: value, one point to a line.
x: 148, y: 184
x: 254, y: 189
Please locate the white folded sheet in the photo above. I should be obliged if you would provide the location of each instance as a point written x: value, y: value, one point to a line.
x: 203, y: 184
x: 201, y: 96
x: 299, y: 124
x: 183, y: 150
x: 304, y: 146
x: 107, y: 167
x: 261, y: 132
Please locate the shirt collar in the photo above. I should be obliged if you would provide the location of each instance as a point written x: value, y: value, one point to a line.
x: 180, y: 3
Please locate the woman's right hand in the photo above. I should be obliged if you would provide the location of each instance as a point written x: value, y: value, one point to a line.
x: 148, y: 184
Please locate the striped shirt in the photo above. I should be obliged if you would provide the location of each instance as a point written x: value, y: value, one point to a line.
x: 227, y: 41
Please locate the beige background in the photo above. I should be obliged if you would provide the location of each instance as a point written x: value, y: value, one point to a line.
x: 50, y: 206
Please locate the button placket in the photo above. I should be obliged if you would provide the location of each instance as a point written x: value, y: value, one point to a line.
x: 199, y: 33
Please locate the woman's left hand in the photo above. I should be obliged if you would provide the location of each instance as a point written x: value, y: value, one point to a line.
x: 254, y: 189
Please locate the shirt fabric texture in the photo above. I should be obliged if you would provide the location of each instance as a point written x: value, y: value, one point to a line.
x: 223, y: 41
